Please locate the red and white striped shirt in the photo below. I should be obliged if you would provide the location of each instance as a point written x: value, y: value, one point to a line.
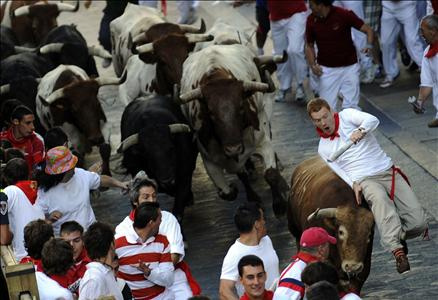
x: 289, y: 284
x: 155, y: 251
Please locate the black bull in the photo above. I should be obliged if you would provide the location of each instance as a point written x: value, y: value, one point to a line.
x: 165, y: 154
x: 315, y: 186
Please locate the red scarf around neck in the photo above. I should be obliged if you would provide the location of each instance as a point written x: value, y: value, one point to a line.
x: 335, y: 133
x: 433, y: 50
x: 29, y: 188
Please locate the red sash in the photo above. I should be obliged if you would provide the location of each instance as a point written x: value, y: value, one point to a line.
x: 29, y: 188
x: 396, y: 170
x: 194, y: 286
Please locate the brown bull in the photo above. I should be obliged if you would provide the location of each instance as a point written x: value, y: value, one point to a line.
x: 319, y: 197
x: 31, y: 20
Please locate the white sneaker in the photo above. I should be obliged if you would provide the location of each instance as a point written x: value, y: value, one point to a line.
x: 299, y: 94
x: 368, y: 75
x: 281, y: 95
x: 387, y: 82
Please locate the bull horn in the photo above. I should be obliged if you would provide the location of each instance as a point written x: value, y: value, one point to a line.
x: 140, y: 38
x: 59, y: 93
x: 4, y: 89
x: 261, y: 60
x: 68, y: 7
x: 193, y: 29
x: 51, y: 48
x: 195, y: 38
x: 112, y: 80
x: 179, y: 128
x: 323, y: 213
x: 128, y: 142
x: 22, y: 11
x: 269, y: 81
x: 21, y: 49
x: 190, y: 96
x: 253, y: 86
x: 146, y: 48
x: 99, y: 51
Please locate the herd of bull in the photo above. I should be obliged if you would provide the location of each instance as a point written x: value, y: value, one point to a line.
x: 186, y: 91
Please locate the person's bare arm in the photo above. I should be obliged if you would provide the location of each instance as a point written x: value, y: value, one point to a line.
x: 175, y: 258
x: 107, y: 181
x: 227, y: 290
x: 311, y: 60
x: 370, y: 38
x: 5, y: 235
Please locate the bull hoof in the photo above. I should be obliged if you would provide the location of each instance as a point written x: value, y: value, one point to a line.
x: 232, y: 195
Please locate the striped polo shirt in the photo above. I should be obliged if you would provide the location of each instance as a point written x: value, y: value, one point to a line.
x: 155, y: 251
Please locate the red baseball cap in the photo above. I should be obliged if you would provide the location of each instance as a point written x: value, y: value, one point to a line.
x: 315, y: 236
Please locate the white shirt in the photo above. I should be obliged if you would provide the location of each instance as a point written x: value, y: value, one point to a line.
x: 351, y: 296
x: 264, y: 250
x: 429, y: 74
x: 366, y: 158
x: 98, y: 281
x: 71, y: 198
x: 49, y: 289
x: 20, y: 213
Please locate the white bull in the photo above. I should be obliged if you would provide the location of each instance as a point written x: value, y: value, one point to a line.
x: 221, y: 91
x: 134, y: 20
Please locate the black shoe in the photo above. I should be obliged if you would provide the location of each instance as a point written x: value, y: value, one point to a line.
x: 405, y: 58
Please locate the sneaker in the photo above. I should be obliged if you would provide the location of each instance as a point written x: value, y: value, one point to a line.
x: 281, y: 95
x: 416, y: 106
x: 299, y: 94
x: 387, y: 82
x: 401, y: 261
x: 369, y: 74
x: 106, y: 62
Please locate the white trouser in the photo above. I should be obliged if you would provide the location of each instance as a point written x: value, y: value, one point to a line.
x: 180, y: 286
x: 150, y: 3
x: 185, y: 7
x: 392, y: 20
x: 359, y: 38
x: 344, y: 80
x: 288, y: 34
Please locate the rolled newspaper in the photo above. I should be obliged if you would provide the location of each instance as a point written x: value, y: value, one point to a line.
x: 342, y: 149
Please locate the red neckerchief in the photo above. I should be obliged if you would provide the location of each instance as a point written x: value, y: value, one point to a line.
x: 306, y: 257
x: 267, y: 296
x: 335, y: 133
x: 81, y: 263
x: 36, y: 262
x: 132, y: 214
x: 29, y: 188
x: 433, y: 50
x: 67, y: 279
